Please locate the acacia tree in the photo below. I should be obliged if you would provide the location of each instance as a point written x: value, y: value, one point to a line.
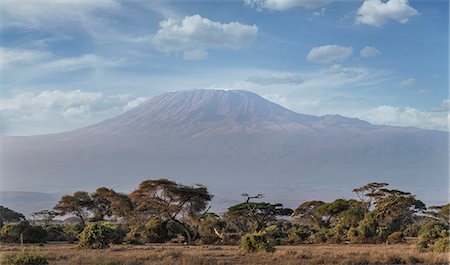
x: 180, y: 203
x: 45, y: 215
x: 307, y: 212
x: 440, y: 213
x: 394, y: 209
x: 255, y: 216
x: 368, y: 193
x: 108, y: 203
x: 79, y: 204
x: 8, y: 215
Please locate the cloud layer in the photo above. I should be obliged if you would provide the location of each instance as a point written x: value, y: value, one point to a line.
x: 328, y: 54
x: 377, y: 13
x: 74, y: 107
x: 194, y: 35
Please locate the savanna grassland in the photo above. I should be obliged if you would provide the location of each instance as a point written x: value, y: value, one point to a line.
x: 165, y: 254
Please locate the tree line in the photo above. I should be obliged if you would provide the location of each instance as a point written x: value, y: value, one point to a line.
x: 162, y: 210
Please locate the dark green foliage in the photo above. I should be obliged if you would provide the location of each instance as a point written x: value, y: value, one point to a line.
x: 73, y: 230
x: 434, y: 230
x: 172, y: 201
x: 99, y: 235
x: 255, y: 242
x: 207, y: 228
x: 395, y: 238
x: 78, y: 204
x: 31, y: 234
x: 24, y: 258
x: 307, y: 212
x: 412, y: 230
x: 298, y: 234
x: 56, y: 233
x: 8, y: 215
x: 156, y: 230
x: 434, y: 235
x: 255, y: 216
x: 136, y: 235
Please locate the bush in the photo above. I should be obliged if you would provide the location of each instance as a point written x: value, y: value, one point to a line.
x: 136, y: 235
x: 206, y: 230
x: 72, y: 231
x: 412, y: 230
x: 442, y: 245
x: 98, y: 235
x: 434, y: 230
x: 24, y: 258
x: 56, y: 233
x: 298, y: 234
x: 31, y: 234
x: 255, y: 242
x: 395, y: 238
x: 422, y: 245
x: 336, y: 235
x: 156, y: 230
x: 354, y: 236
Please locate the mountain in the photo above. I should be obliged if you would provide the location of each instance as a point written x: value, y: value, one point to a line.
x: 233, y: 142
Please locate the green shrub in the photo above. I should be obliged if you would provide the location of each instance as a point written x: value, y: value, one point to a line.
x: 73, y: 230
x: 97, y: 235
x: 156, y: 230
x: 412, y: 230
x: 24, y: 258
x: 255, y: 242
x: 336, y: 235
x: 320, y: 236
x: 354, y: 236
x: 206, y: 229
x: 31, y: 234
x: 442, y: 245
x: 395, y: 238
x: 434, y: 230
x: 56, y: 233
x: 136, y: 235
x: 298, y: 234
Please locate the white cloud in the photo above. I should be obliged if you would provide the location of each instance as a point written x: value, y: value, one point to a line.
x: 369, y: 52
x: 75, y: 63
x: 283, y: 5
x: 407, y: 116
x: 349, y: 72
x: 10, y: 57
x: 276, y: 79
x: 74, y: 107
x: 377, y: 13
x: 329, y: 53
x: 444, y: 107
x: 194, y: 35
x: 423, y: 91
x: 49, y: 13
x: 408, y: 82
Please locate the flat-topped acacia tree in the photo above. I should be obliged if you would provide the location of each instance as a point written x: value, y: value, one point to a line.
x: 171, y: 200
x: 79, y: 204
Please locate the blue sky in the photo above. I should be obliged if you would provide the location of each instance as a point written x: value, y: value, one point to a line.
x: 68, y: 64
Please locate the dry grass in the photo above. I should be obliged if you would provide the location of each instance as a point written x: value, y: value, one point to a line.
x: 64, y: 254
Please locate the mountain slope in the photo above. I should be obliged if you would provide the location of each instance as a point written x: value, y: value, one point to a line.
x: 234, y: 142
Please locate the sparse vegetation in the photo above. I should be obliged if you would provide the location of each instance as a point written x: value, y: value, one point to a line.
x: 162, y: 211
